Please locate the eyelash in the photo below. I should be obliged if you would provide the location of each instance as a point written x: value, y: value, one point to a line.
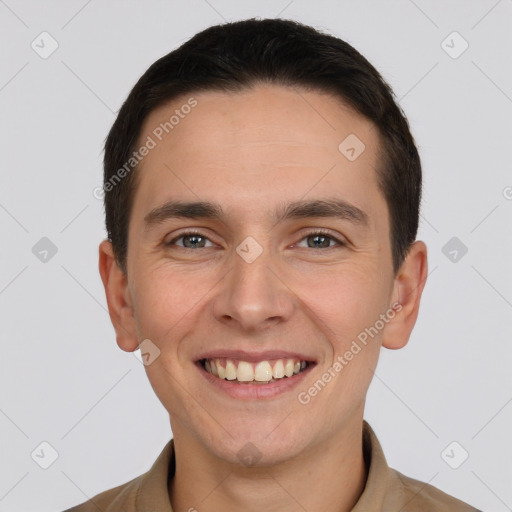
x: 327, y: 234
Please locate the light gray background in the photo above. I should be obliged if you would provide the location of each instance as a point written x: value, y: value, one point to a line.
x: 62, y: 376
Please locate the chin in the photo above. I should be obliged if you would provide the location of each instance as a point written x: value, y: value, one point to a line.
x: 255, y: 448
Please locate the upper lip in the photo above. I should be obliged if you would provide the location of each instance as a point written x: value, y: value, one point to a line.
x: 251, y: 357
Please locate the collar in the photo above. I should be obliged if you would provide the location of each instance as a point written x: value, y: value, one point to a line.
x: 385, y: 489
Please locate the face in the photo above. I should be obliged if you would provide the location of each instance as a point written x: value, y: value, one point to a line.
x: 265, y: 284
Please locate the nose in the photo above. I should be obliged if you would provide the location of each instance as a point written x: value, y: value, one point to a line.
x: 254, y: 296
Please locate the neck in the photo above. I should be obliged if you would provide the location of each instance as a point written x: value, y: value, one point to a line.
x: 329, y: 476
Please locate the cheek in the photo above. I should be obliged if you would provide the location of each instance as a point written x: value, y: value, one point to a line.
x: 164, y: 300
x: 345, y: 301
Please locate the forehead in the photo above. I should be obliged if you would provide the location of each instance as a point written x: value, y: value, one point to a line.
x: 257, y: 147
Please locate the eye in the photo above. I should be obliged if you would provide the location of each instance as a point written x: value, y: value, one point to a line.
x: 320, y: 240
x: 191, y: 240
x: 196, y: 240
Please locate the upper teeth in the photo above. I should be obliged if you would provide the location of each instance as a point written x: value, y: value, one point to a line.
x: 263, y: 371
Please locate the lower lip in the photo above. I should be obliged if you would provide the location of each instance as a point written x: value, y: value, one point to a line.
x: 255, y: 391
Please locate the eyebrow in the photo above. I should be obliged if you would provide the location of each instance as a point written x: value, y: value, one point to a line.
x: 333, y: 208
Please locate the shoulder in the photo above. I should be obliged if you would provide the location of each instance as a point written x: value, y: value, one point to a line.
x: 146, y: 492
x: 118, y: 498
x: 419, y: 496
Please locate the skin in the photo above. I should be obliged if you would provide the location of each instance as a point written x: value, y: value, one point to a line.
x: 251, y: 151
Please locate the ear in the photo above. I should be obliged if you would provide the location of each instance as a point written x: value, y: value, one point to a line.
x: 408, y: 287
x: 118, y: 298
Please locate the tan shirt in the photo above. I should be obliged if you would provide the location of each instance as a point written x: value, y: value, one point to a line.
x: 386, y: 489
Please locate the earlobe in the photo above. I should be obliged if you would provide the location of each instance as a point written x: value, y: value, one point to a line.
x: 408, y: 288
x: 118, y: 298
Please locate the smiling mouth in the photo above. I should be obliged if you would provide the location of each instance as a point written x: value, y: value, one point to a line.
x: 262, y: 372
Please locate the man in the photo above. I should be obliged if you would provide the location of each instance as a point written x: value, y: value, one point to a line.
x: 262, y: 194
